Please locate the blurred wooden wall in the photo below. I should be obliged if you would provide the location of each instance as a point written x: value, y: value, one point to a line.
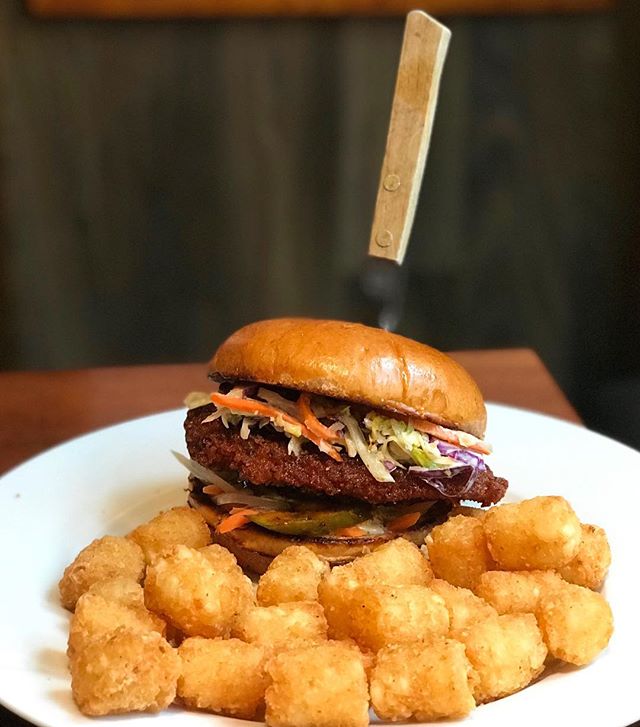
x: 162, y: 183
x: 298, y: 8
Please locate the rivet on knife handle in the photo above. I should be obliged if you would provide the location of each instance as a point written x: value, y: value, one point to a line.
x: 424, y: 48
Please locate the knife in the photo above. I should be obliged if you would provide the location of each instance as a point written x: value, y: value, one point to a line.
x: 424, y: 48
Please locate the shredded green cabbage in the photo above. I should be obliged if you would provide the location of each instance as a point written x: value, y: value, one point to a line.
x: 195, y: 399
x: 278, y: 401
x: 245, y: 428
x: 294, y: 446
x: 372, y: 457
x: 403, y: 444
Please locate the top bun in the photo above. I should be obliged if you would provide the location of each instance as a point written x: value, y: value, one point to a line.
x: 355, y: 363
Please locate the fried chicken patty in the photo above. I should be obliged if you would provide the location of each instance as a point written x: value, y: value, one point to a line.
x: 263, y: 459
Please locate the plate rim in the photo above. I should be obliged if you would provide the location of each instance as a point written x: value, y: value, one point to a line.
x: 15, y: 471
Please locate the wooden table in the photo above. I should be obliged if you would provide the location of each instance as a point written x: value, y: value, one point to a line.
x: 40, y: 409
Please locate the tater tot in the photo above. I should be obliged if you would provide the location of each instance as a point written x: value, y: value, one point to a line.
x: 375, y: 616
x: 122, y: 590
x: 465, y: 608
x: 293, y: 575
x: 220, y: 558
x: 368, y: 657
x: 104, y: 558
x: 506, y: 654
x: 318, y: 686
x: 458, y: 551
x: 281, y: 627
x: 178, y: 526
x: 422, y: 681
x: 222, y: 676
x: 396, y: 563
x: 386, y: 615
x: 95, y: 616
x: 335, y: 594
x: 516, y: 591
x: 576, y: 623
x: 124, y: 671
x: 542, y: 533
x: 467, y: 511
x: 187, y: 591
x: 591, y: 563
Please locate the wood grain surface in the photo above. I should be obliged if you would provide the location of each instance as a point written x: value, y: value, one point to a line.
x: 327, y: 8
x: 424, y: 48
x: 41, y: 409
x: 162, y: 184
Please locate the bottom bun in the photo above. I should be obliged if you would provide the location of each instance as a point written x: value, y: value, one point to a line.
x: 255, y: 548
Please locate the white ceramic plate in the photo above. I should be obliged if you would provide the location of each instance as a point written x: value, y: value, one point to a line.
x: 113, y: 479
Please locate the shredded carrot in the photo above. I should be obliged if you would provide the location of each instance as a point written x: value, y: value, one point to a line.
x: 259, y: 408
x: 328, y: 449
x: 237, y: 519
x: 251, y: 406
x: 353, y: 532
x: 404, y: 522
x: 313, y: 423
x: 450, y: 435
x: 322, y: 444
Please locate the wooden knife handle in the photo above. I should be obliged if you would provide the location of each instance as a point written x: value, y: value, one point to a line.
x: 424, y: 48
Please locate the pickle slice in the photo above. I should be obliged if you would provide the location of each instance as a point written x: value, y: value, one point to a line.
x: 311, y: 523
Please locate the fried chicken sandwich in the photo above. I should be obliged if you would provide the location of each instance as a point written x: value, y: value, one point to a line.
x: 333, y: 435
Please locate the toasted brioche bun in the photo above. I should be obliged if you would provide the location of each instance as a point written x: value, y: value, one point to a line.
x: 355, y: 363
x: 255, y: 547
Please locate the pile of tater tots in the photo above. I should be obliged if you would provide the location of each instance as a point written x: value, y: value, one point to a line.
x: 494, y: 597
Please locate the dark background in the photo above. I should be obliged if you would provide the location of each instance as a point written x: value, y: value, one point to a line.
x: 162, y: 183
